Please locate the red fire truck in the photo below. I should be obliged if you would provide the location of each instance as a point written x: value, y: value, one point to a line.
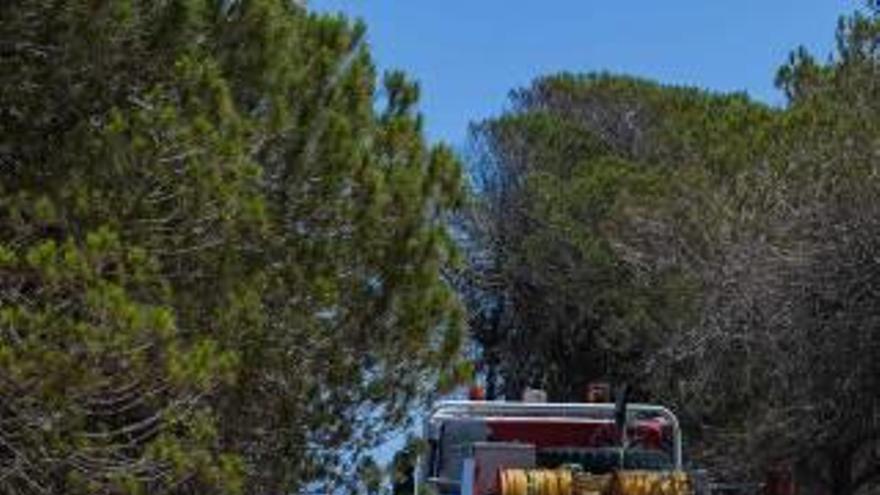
x: 478, y: 447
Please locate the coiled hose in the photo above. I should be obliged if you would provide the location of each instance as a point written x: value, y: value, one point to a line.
x: 567, y: 482
x: 536, y: 482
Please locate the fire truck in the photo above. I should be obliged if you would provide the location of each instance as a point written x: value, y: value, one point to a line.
x: 533, y: 447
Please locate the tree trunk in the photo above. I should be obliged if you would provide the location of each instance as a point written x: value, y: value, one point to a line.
x: 840, y: 474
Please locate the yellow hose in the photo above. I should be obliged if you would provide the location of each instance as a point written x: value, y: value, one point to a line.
x: 566, y: 482
x: 514, y: 482
x: 536, y: 482
x: 650, y: 483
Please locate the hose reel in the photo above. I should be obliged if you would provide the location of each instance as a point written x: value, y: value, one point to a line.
x: 571, y: 482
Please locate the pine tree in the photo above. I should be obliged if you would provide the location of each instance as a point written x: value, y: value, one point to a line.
x: 220, y: 267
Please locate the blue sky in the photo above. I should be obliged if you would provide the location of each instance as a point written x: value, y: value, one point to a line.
x: 468, y: 54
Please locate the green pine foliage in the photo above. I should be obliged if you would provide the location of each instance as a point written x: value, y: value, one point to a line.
x: 220, y: 268
x: 560, y: 180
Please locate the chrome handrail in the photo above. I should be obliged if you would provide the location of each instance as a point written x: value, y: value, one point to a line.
x: 547, y: 410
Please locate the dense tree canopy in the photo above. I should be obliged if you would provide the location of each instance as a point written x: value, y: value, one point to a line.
x: 717, y: 253
x: 220, y: 248
x: 226, y: 264
x: 557, y: 180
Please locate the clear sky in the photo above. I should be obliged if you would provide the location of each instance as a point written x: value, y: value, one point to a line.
x: 468, y: 54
